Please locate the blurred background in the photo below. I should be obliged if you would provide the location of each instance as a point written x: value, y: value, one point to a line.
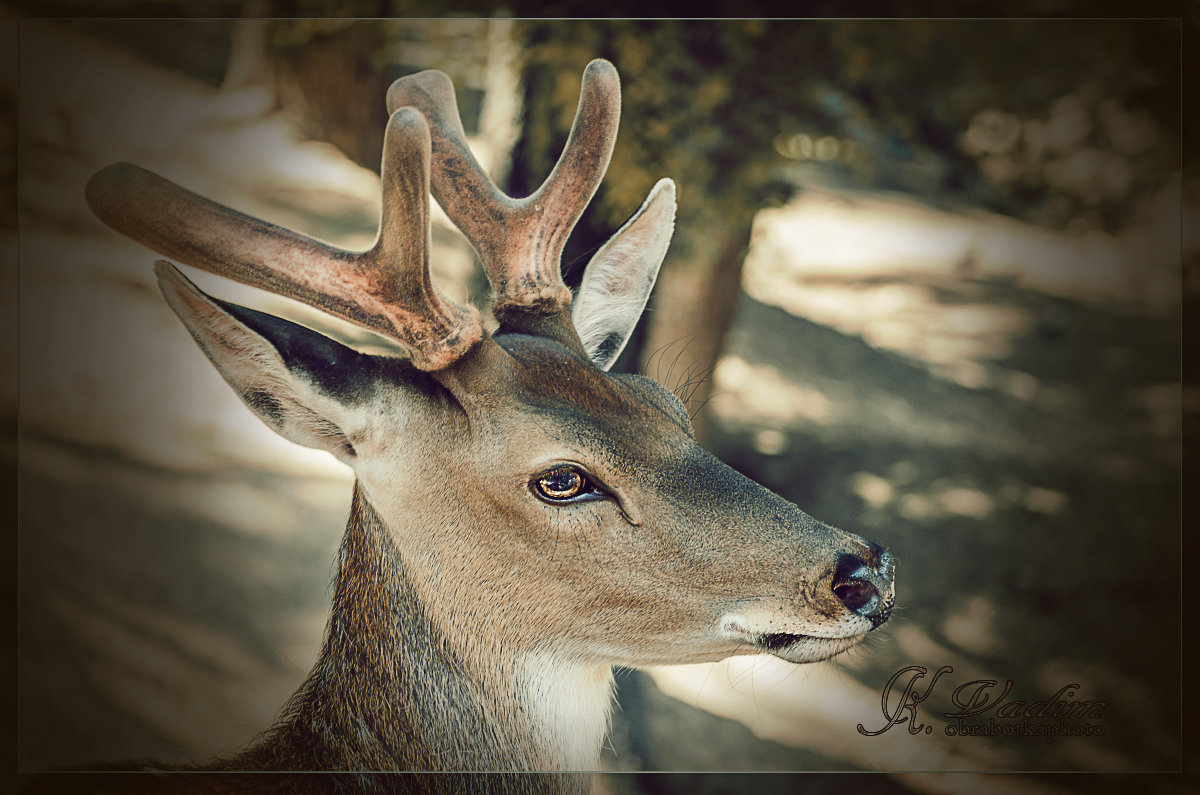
x: 928, y: 282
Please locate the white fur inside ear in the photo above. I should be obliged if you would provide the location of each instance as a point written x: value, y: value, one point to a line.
x: 287, y: 403
x: 619, y: 278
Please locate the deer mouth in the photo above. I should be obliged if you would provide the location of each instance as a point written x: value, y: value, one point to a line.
x: 780, y: 640
x: 791, y: 646
x: 804, y: 648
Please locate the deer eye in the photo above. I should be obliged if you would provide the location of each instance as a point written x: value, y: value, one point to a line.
x: 565, y: 485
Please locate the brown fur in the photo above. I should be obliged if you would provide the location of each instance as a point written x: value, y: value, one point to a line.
x: 475, y: 623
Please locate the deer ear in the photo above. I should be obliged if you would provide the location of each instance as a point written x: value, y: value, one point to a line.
x: 300, y: 383
x: 618, y: 279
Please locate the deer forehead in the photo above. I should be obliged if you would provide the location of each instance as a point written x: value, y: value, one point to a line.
x: 558, y: 401
x: 545, y: 405
x: 548, y: 376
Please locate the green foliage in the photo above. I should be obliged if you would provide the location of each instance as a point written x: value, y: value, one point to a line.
x: 709, y: 103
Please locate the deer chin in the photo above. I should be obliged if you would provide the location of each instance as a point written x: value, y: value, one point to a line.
x: 805, y: 648
x: 794, y: 647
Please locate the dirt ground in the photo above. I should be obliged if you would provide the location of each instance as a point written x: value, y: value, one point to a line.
x: 1018, y: 448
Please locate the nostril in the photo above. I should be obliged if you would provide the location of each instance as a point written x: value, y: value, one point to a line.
x: 849, y: 567
x: 855, y: 594
x: 858, y: 586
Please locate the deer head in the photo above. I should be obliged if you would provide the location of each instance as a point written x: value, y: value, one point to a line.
x: 545, y: 515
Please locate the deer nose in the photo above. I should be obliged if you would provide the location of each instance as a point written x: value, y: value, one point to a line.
x: 866, y: 587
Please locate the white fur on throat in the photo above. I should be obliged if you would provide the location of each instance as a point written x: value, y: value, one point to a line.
x: 570, y: 705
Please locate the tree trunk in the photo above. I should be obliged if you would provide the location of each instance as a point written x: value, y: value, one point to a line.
x: 693, y: 307
x: 249, y: 63
x: 332, y: 85
x: 323, y: 73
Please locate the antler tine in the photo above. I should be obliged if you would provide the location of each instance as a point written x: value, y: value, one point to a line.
x: 386, y: 289
x: 435, y: 331
x: 520, y: 241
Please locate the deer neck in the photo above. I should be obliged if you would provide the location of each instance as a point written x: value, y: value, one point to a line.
x: 391, y: 691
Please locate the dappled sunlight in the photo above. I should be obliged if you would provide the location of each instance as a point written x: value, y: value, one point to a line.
x: 229, y: 145
x: 253, y: 510
x: 1054, y: 148
x: 175, y: 551
x: 1022, y: 386
x: 226, y: 145
x: 1062, y: 685
x: 964, y: 343
x: 161, y: 665
x: 874, y: 490
x: 973, y: 626
x: 768, y: 403
x: 123, y: 560
x: 971, y: 331
x: 818, y: 707
x: 864, y: 265
x: 946, y: 499
x: 759, y: 395
x: 1034, y: 499
x: 1163, y: 406
x: 848, y: 235
x: 216, y: 490
x: 769, y: 441
x: 917, y: 645
x: 953, y: 497
x: 914, y: 643
x: 110, y: 365
x: 988, y: 398
x: 906, y: 319
x: 821, y: 233
x: 104, y: 360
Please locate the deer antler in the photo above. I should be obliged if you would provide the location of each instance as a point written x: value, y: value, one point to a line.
x: 386, y: 289
x: 519, y: 241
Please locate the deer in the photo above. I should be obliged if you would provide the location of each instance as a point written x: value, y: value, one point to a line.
x: 523, y: 519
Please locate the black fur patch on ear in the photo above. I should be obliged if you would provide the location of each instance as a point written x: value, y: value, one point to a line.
x: 341, y: 372
x: 266, y: 406
x: 606, y: 347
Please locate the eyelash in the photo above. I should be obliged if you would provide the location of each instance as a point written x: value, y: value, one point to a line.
x: 586, y: 489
